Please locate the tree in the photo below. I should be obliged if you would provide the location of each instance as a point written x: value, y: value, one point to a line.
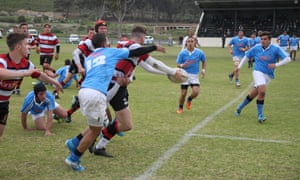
x: 64, y: 6
x: 119, y: 8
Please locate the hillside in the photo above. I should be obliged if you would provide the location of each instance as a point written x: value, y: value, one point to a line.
x: 35, y: 5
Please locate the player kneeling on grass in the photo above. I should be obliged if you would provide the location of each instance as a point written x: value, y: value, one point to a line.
x: 265, y: 56
x: 189, y: 59
x: 40, y: 103
x: 13, y: 67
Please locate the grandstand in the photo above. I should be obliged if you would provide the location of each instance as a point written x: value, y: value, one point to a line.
x: 229, y: 16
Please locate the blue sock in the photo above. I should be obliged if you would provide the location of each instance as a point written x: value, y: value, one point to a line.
x: 74, y: 157
x: 189, y: 99
x: 75, y: 141
x: 180, y: 106
x: 260, y: 107
x: 246, y: 101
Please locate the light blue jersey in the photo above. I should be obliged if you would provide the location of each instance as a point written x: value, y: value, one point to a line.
x: 238, y: 43
x: 283, y: 40
x: 30, y: 104
x: 192, y: 58
x: 252, y: 42
x: 100, y: 66
x: 264, y: 57
x: 62, y: 73
x: 257, y: 40
x: 294, y: 41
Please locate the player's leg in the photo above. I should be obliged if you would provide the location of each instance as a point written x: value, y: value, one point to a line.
x: 75, y: 105
x: 3, y: 117
x: 195, y: 86
x: 40, y: 123
x: 59, y: 112
x: 183, y: 93
x: 93, y: 104
x: 123, y: 121
x: 259, y: 79
x: 236, y: 73
x: 195, y: 91
x: 47, y: 63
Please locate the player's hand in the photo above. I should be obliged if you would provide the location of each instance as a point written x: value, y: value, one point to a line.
x: 49, y: 73
x: 123, y: 81
x: 178, y: 75
x: 58, y: 86
x: 203, y: 73
x: 160, y: 48
x: 49, y: 133
x: 37, y: 50
x: 56, y: 56
x: 272, y: 66
x: 29, y: 129
x: 81, y: 70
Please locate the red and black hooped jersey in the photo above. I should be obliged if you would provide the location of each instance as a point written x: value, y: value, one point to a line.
x: 47, y: 43
x: 7, y: 86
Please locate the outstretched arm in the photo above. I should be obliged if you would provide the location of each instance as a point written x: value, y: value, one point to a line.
x: 160, y: 67
x: 143, y: 50
x: 6, y: 74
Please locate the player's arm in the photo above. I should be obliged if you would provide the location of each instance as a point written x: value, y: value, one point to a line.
x: 49, y: 123
x: 24, y: 121
x: 150, y: 69
x: 6, y: 74
x: 280, y: 63
x: 144, y: 50
x: 244, y: 59
x: 45, y: 78
x: 76, y: 57
x: 203, y: 69
x: 112, y: 92
x: 230, y: 48
x: 157, y: 67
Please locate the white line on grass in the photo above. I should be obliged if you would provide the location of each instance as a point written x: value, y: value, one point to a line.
x: 186, y: 137
x: 241, y: 138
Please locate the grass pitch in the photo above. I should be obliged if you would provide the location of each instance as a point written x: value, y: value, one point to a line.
x: 226, y: 147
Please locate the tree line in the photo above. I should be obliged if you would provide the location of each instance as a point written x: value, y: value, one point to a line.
x: 182, y: 11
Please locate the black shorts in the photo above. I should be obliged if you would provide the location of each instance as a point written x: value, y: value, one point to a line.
x: 73, y: 68
x: 4, y: 109
x: 46, y: 59
x: 186, y: 86
x: 120, y: 100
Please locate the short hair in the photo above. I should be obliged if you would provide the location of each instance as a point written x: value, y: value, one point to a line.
x: 67, y: 62
x: 138, y: 31
x: 47, y: 24
x: 39, y: 87
x: 23, y: 24
x: 98, y: 40
x: 90, y: 29
x: 14, y: 38
x: 266, y: 33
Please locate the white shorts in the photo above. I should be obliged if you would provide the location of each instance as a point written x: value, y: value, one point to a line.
x: 293, y: 48
x: 192, y: 79
x: 284, y: 48
x: 42, y: 114
x: 93, y: 106
x: 260, y: 78
x: 236, y: 58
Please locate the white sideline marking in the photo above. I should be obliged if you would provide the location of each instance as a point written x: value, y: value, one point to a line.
x: 186, y: 137
x: 241, y: 138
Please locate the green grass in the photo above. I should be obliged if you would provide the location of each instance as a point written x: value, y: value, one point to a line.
x: 157, y: 127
